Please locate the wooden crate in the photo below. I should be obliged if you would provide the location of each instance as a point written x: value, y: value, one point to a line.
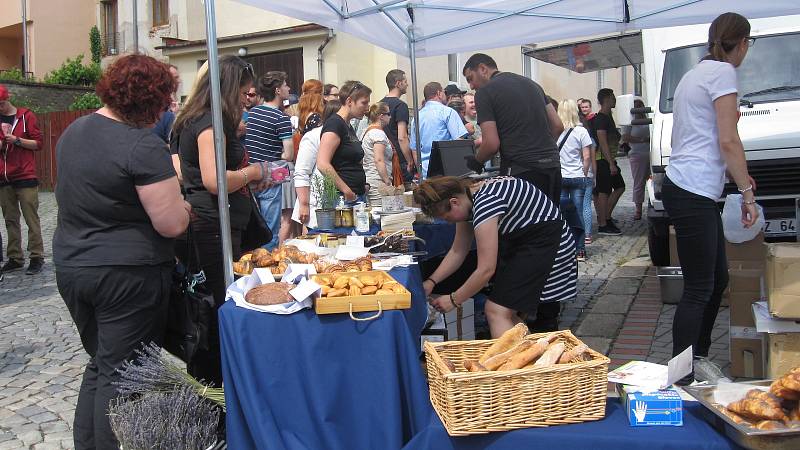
x: 361, y: 303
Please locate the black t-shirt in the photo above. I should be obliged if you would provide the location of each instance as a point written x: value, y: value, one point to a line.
x: 398, y: 112
x: 101, y: 221
x: 7, y: 119
x: 605, y: 122
x: 204, y: 203
x: 347, y: 159
x: 517, y: 105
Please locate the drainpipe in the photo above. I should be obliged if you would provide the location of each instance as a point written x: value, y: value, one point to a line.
x: 25, y: 64
x: 320, y: 59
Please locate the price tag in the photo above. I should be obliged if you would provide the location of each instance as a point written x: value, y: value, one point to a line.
x: 355, y: 241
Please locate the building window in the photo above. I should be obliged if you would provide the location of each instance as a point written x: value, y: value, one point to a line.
x: 160, y: 12
x: 110, y: 37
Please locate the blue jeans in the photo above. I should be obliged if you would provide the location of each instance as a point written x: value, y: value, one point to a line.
x: 269, y: 202
x: 587, y: 206
x: 573, y: 192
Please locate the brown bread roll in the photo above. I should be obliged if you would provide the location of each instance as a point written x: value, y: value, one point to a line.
x: 505, y: 342
x: 474, y: 366
x: 337, y: 293
x: 571, y: 355
x: 369, y: 290
x: 270, y: 294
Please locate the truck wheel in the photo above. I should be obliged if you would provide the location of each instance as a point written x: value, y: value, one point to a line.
x: 658, y: 244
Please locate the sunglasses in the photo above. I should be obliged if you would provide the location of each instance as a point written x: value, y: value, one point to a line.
x: 385, y: 114
x: 250, y: 94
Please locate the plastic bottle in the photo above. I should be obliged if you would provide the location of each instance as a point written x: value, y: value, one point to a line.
x: 362, y: 219
x: 341, y: 203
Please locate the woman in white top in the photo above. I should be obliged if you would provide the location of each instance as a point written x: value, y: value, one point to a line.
x: 638, y: 137
x: 306, y: 167
x: 575, y: 152
x: 377, y: 152
x: 705, y: 144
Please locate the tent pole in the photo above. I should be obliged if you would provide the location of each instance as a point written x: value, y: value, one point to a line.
x: 219, y: 148
x: 412, y: 53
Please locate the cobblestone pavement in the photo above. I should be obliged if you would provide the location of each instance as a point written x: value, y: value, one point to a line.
x: 41, y: 358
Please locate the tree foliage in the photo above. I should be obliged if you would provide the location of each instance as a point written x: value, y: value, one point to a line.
x: 74, y: 73
x: 95, y: 44
x: 89, y: 100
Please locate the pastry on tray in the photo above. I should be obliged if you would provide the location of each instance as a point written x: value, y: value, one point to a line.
x: 270, y: 294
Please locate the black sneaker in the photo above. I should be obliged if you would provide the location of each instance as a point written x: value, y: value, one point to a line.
x: 11, y: 266
x: 609, y: 230
x: 35, y: 266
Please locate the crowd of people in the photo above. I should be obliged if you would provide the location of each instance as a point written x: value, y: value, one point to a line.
x: 140, y: 173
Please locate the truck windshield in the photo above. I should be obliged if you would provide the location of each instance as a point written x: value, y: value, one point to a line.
x: 769, y: 73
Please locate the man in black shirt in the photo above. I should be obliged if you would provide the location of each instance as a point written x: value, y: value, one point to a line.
x: 397, y: 129
x: 610, y: 184
x: 516, y: 120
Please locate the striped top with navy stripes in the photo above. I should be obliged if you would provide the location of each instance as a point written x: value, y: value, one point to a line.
x: 267, y: 128
x: 516, y: 201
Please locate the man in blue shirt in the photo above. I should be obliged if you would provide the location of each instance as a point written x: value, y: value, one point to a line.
x: 437, y: 122
x: 269, y: 138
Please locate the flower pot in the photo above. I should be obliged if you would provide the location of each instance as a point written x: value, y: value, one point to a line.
x: 326, y: 219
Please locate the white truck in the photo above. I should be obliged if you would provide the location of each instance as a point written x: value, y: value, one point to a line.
x: 769, y: 125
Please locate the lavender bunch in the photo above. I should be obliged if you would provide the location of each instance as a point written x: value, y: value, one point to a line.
x: 176, y: 420
x: 152, y: 372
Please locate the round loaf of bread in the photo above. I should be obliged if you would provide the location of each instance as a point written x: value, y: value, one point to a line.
x: 270, y: 294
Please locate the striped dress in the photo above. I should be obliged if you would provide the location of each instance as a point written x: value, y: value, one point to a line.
x: 519, y: 204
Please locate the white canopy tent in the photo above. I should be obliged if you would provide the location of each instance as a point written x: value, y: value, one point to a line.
x: 438, y: 27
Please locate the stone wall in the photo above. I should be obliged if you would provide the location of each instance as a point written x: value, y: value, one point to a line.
x: 42, y: 97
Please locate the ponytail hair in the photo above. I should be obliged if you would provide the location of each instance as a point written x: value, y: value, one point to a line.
x: 376, y: 110
x: 434, y: 194
x: 725, y: 33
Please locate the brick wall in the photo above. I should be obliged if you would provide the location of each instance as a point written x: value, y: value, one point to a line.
x: 44, y: 97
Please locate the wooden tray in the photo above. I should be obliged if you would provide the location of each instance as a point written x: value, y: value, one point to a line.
x: 361, y: 303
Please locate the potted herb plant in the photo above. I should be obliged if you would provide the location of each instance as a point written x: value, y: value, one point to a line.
x: 323, y: 186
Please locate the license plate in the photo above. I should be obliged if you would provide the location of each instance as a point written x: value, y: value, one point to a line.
x: 774, y: 227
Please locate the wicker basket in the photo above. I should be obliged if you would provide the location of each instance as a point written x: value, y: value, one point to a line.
x: 482, y: 402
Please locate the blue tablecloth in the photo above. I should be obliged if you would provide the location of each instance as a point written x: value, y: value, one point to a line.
x: 304, y: 381
x: 611, y: 433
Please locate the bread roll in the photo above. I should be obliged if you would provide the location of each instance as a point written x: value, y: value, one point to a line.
x: 325, y: 290
x: 354, y: 281
x: 496, y: 361
x: 259, y: 252
x: 791, y: 380
x: 354, y: 291
x: 337, y: 292
x: 270, y: 294
x: 369, y: 290
x: 341, y: 283
x: 474, y: 366
x: 732, y: 415
x: 551, y: 355
x: 505, y: 342
x: 322, y: 281
x: 246, y: 257
x: 523, y: 358
x: 572, y: 355
x: 368, y: 280
x: 384, y: 292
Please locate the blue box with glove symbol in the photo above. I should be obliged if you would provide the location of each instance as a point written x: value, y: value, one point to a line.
x: 655, y: 408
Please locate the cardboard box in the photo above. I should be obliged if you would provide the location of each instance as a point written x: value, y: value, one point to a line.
x: 747, y: 353
x: 782, y: 278
x: 752, y: 251
x: 655, y: 408
x: 744, y: 289
x: 783, y: 353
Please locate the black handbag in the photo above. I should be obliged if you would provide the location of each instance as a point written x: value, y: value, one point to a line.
x: 257, y: 233
x: 191, y: 307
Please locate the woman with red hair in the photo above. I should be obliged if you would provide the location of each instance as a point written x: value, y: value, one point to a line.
x: 119, y: 208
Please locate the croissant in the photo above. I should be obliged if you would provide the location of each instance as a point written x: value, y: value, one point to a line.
x: 756, y: 409
x: 508, y: 340
x: 732, y: 415
x: 794, y: 413
x: 791, y: 380
x: 779, y: 390
x: 764, y: 396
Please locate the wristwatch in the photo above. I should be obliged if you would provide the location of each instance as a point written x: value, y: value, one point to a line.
x: 18, y: 142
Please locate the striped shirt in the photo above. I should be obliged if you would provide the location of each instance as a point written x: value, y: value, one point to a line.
x: 516, y: 201
x: 520, y: 204
x: 267, y: 128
